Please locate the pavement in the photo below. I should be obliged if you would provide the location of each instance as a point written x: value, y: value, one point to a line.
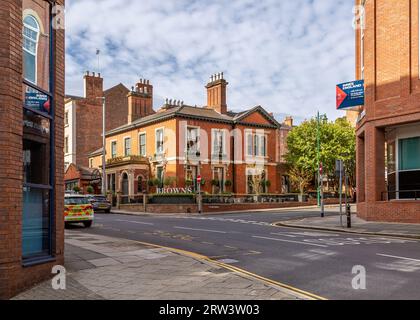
x: 359, y: 226
x: 108, y: 268
x: 316, y: 262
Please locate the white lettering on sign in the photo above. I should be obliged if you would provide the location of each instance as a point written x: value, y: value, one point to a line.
x: 174, y: 190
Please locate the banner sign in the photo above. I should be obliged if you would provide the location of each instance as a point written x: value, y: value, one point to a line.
x: 350, y: 94
x: 186, y: 190
x: 37, y: 101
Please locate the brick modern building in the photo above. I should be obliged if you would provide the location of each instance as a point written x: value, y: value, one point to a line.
x: 388, y: 129
x: 230, y: 151
x: 31, y: 142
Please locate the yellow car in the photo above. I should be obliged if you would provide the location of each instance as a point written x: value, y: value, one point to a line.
x: 78, y: 209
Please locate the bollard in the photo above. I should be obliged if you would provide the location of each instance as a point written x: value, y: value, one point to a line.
x: 348, y: 211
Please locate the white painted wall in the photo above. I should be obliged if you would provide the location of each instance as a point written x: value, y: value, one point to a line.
x: 70, y: 132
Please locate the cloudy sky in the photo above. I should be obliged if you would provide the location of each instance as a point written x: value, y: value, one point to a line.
x: 284, y: 55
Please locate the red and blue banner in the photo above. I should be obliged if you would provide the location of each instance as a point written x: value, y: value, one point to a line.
x: 350, y: 94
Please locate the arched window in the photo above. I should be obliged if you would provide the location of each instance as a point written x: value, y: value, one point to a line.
x: 30, y: 47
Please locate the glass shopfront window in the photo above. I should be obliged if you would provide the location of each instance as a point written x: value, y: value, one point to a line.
x: 38, y: 137
x: 409, y: 167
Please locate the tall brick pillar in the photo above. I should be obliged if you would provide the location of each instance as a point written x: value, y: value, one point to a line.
x: 14, y: 275
x: 360, y: 173
x: 374, y: 163
x: 10, y: 143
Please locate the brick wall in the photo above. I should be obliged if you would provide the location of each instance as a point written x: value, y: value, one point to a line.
x: 391, y: 62
x: 13, y: 277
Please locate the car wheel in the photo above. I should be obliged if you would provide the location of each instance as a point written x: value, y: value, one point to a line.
x: 87, y: 224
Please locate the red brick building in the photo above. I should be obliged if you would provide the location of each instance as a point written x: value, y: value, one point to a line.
x: 83, y: 115
x: 232, y: 152
x: 82, y: 178
x: 31, y: 142
x: 388, y: 129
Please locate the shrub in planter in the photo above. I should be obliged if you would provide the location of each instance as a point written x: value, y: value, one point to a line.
x: 90, y: 190
x: 215, y: 182
x: 150, y: 183
x: 172, y: 198
x: 228, y: 183
x: 268, y: 183
x: 169, y: 181
x: 76, y: 189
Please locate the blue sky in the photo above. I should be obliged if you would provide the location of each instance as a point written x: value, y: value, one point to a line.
x: 284, y: 55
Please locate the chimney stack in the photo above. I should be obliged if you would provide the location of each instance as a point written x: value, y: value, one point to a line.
x: 216, y: 93
x: 93, y: 87
x: 140, y: 101
x: 288, y: 121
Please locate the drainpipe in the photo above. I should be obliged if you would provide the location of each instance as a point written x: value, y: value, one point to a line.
x: 233, y: 161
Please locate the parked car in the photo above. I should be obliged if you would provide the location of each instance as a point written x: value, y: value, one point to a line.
x: 78, y: 209
x: 100, y: 203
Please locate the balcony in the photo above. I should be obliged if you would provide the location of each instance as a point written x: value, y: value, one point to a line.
x: 119, y: 161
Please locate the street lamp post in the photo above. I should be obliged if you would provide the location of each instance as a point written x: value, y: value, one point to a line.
x: 104, y: 182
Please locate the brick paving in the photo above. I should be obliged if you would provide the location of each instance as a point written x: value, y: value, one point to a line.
x: 99, y: 267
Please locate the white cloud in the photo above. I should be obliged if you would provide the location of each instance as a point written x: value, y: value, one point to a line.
x: 284, y: 55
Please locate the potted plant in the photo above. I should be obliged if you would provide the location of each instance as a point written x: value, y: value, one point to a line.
x: 90, y: 190
x: 228, y: 183
x: 215, y: 182
x: 76, y: 189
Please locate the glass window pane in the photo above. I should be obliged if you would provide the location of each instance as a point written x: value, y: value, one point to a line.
x: 409, y: 154
x: 36, y: 149
x: 35, y: 223
x: 36, y: 48
x: 29, y: 66
x: 31, y: 22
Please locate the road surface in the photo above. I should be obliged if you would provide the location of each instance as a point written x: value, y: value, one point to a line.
x: 317, y: 262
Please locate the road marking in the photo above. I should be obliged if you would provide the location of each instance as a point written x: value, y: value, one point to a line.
x: 402, y: 258
x: 137, y: 222
x: 252, y: 253
x: 204, y: 230
x: 230, y: 247
x: 228, y: 261
x: 284, y: 235
x: 299, y: 242
x: 209, y: 243
x: 297, y: 291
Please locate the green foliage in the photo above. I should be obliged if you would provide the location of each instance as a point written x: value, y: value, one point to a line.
x: 228, y: 183
x: 90, y: 190
x: 337, y: 141
x: 169, y: 181
x: 76, y: 189
x: 215, y: 183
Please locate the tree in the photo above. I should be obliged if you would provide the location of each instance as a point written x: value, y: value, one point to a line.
x: 337, y: 142
x: 300, y: 178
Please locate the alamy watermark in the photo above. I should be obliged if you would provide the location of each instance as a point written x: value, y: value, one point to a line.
x: 359, y: 17
x: 58, y: 17
x: 59, y: 280
x: 359, y: 281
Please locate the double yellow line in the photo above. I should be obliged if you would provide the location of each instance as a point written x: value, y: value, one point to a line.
x: 301, y: 293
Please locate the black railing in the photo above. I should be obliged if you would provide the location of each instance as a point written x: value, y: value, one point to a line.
x: 401, y: 195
